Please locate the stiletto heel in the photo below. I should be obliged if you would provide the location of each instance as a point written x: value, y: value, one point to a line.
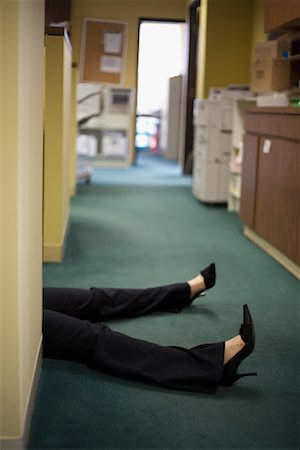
x: 230, y: 374
x: 209, y: 275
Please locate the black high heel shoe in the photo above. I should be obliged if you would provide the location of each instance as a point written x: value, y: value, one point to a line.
x: 230, y: 375
x: 209, y: 275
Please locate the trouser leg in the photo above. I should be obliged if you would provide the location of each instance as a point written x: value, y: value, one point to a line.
x: 98, y: 304
x: 66, y: 337
x: 196, y: 369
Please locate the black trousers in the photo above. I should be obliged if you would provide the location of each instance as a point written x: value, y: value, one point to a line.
x: 73, y: 329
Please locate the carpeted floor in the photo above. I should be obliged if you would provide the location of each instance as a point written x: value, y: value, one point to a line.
x: 142, y: 227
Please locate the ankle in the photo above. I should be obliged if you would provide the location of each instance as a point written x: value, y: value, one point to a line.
x: 232, y: 347
x: 196, y: 285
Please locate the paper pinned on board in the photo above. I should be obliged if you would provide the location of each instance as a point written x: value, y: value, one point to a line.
x: 112, y: 42
x: 111, y: 64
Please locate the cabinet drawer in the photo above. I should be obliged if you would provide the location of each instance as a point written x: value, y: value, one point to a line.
x: 282, y: 126
x: 282, y: 15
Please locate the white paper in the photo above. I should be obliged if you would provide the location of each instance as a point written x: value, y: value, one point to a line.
x: 112, y: 42
x: 267, y: 146
x: 110, y: 64
x: 114, y: 144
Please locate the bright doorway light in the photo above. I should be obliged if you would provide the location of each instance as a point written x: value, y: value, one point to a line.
x: 161, y: 56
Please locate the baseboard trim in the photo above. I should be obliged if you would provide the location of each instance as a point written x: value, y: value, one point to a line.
x: 52, y: 252
x: 55, y: 252
x: 21, y: 442
x: 272, y: 251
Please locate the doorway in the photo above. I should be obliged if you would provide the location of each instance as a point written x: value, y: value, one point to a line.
x: 161, y: 59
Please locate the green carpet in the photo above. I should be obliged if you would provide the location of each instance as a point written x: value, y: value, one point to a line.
x: 142, y: 227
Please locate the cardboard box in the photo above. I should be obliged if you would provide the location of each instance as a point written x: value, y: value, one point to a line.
x: 272, y: 49
x: 270, y: 75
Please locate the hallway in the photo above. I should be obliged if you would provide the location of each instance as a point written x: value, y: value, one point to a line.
x: 141, y: 227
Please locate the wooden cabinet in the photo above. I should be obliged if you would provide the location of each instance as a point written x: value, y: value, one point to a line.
x: 282, y: 15
x: 277, y: 202
x: 270, y: 200
x: 247, y: 211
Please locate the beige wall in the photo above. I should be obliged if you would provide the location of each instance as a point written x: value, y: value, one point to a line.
x: 58, y: 96
x: 202, y: 50
x: 21, y: 147
x: 73, y: 130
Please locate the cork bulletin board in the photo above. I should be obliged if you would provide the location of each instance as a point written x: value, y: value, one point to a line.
x: 103, y: 49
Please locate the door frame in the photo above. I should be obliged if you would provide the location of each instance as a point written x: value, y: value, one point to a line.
x: 189, y: 92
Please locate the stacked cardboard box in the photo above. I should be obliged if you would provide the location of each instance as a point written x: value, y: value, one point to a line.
x: 271, y: 67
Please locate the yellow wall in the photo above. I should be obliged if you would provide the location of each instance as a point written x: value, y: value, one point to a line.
x: 202, y: 54
x: 129, y: 11
x: 226, y: 53
x: 228, y: 29
x: 21, y: 147
x: 73, y: 130
x: 259, y: 34
x: 57, y: 146
x: 125, y: 10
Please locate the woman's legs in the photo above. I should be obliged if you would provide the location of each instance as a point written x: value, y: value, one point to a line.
x: 98, y: 304
x: 197, y: 369
x: 66, y: 337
